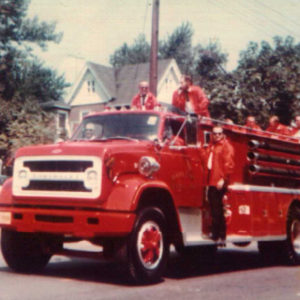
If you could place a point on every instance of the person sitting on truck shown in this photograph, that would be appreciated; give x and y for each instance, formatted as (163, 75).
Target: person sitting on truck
(251, 123)
(144, 99)
(218, 162)
(92, 131)
(296, 129)
(190, 98)
(276, 127)
(170, 138)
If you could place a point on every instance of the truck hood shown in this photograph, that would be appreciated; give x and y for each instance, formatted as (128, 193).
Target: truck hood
(91, 148)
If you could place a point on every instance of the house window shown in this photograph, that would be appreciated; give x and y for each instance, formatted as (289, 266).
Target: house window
(91, 86)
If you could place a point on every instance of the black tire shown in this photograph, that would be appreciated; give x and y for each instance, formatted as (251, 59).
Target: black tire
(148, 247)
(291, 248)
(287, 251)
(204, 254)
(23, 252)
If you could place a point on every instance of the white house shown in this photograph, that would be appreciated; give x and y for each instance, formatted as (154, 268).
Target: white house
(97, 85)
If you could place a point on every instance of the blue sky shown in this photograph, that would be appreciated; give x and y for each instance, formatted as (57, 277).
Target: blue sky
(93, 29)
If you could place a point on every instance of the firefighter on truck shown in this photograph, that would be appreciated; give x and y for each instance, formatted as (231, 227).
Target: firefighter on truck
(134, 190)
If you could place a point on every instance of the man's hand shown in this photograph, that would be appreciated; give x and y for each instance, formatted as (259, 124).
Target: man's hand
(220, 184)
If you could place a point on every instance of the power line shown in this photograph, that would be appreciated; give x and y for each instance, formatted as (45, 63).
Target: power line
(145, 16)
(243, 17)
(274, 23)
(287, 18)
(261, 19)
(143, 32)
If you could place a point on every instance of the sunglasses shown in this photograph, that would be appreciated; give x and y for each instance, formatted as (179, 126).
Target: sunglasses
(217, 133)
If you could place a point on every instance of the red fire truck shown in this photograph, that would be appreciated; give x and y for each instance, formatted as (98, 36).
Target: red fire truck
(135, 186)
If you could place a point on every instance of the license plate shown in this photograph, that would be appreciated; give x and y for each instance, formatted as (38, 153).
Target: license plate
(5, 218)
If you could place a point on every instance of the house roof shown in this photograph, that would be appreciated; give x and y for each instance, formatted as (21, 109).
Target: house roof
(129, 76)
(105, 75)
(121, 84)
(53, 104)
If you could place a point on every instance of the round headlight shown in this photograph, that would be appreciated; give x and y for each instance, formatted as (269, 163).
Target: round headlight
(148, 165)
(23, 177)
(91, 177)
(22, 174)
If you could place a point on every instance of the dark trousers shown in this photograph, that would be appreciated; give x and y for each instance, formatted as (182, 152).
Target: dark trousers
(215, 197)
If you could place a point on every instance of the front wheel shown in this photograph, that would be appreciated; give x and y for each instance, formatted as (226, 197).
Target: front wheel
(148, 247)
(23, 252)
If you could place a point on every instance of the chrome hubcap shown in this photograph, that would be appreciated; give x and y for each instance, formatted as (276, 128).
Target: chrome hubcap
(150, 245)
(295, 236)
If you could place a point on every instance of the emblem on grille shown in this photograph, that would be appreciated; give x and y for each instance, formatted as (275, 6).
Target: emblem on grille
(55, 151)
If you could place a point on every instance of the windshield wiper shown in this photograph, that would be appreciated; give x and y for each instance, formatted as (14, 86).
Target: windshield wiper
(109, 138)
(119, 137)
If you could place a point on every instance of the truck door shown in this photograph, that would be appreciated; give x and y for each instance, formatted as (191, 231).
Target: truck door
(181, 155)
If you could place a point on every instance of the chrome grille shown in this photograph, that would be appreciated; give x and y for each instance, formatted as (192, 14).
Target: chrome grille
(57, 176)
(66, 186)
(58, 166)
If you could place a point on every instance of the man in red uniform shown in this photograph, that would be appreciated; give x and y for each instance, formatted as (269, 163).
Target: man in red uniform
(190, 98)
(296, 130)
(218, 161)
(276, 127)
(251, 123)
(144, 98)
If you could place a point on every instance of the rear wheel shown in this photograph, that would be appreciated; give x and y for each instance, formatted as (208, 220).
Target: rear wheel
(287, 251)
(292, 244)
(148, 247)
(23, 252)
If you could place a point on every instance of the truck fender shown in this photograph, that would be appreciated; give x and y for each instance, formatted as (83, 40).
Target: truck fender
(128, 190)
(6, 196)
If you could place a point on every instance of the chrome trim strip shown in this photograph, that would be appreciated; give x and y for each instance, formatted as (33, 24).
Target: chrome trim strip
(235, 238)
(263, 189)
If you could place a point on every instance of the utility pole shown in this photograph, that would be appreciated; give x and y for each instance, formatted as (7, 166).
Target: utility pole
(154, 47)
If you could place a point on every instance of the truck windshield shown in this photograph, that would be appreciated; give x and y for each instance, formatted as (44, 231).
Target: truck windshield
(118, 126)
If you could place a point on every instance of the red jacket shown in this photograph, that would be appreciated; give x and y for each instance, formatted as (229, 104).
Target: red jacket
(222, 162)
(149, 102)
(198, 100)
(280, 129)
(295, 132)
(253, 126)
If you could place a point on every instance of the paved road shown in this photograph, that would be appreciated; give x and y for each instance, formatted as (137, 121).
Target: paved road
(236, 274)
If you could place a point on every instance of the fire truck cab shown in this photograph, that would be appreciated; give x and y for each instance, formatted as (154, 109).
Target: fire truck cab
(132, 181)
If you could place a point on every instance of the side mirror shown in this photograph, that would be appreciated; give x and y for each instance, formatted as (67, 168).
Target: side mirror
(158, 145)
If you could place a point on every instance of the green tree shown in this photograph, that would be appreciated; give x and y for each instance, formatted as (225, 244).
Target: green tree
(178, 45)
(18, 35)
(24, 123)
(24, 81)
(265, 83)
(139, 52)
(269, 79)
(210, 61)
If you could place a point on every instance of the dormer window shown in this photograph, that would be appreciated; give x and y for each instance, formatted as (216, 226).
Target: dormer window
(91, 86)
